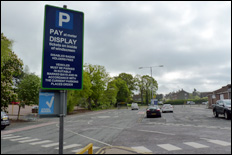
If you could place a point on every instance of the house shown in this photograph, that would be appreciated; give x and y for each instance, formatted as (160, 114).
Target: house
(222, 93)
(179, 95)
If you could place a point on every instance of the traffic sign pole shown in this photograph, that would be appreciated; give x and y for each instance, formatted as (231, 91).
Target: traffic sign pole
(62, 99)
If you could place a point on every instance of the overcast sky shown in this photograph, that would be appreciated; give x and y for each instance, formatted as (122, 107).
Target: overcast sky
(191, 39)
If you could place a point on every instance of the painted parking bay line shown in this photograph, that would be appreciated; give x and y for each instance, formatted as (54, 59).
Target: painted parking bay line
(70, 146)
(157, 132)
(218, 142)
(141, 149)
(41, 142)
(10, 137)
(195, 145)
(169, 147)
(17, 139)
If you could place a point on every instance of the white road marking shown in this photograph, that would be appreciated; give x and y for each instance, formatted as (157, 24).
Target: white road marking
(141, 149)
(6, 135)
(41, 142)
(52, 144)
(11, 137)
(218, 142)
(169, 147)
(88, 137)
(195, 145)
(30, 140)
(17, 139)
(157, 132)
(103, 116)
(70, 146)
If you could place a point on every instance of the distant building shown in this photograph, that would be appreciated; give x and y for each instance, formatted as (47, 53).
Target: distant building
(222, 93)
(179, 95)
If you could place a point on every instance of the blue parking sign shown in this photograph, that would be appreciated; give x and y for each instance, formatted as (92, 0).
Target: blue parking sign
(62, 61)
(46, 103)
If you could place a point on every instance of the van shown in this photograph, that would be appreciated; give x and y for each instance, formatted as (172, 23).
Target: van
(134, 106)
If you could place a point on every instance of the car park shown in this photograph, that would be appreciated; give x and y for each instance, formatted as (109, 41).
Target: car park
(134, 106)
(153, 111)
(222, 107)
(4, 120)
(167, 108)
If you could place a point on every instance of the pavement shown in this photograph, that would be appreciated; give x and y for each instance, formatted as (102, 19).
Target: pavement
(24, 112)
(27, 115)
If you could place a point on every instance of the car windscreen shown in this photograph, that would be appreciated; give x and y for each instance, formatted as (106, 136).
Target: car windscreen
(153, 107)
(227, 102)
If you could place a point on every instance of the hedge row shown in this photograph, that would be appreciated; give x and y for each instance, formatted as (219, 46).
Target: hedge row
(181, 102)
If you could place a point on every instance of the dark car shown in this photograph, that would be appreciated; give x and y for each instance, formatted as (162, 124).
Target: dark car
(153, 111)
(222, 107)
(4, 120)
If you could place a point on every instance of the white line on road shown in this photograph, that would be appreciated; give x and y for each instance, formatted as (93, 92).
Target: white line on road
(141, 149)
(169, 147)
(30, 140)
(41, 142)
(52, 144)
(10, 137)
(195, 145)
(17, 139)
(6, 135)
(157, 132)
(219, 142)
(70, 146)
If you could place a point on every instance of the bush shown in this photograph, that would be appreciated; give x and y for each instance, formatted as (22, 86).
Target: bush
(181, 102)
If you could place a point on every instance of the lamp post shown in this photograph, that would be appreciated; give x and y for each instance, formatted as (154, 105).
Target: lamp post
(151, 75)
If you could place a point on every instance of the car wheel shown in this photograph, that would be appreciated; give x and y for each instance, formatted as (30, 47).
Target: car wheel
(215, 113)
(226, 115)
(3, 127)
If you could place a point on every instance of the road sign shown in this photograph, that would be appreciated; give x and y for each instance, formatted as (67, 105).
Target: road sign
(62, 65)
(51, 103)
(46, 103)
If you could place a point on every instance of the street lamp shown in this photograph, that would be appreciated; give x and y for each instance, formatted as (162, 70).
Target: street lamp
(151, 75)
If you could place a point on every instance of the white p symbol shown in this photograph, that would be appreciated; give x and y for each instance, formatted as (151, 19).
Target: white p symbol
(61, 19)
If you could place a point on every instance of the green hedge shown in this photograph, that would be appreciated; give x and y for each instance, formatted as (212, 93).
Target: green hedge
(181, 102)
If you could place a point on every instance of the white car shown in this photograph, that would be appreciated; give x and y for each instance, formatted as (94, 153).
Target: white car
(167, 107)
(134, 106)
(190, 102)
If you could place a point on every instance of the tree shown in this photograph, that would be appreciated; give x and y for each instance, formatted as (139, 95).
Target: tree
(130, 81)
(145, 84)
(98, 78)
(11, 66)
(77, 96)
(28, 90)
(123, 91)
(110, 94)
(139, 85)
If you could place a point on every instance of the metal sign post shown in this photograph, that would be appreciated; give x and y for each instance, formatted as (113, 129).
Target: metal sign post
(62, 62)
(61, 134)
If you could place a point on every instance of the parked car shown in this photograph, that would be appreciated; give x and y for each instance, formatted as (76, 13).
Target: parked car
(222, 107)
(167, 108)
(190, 102)
(153, 111)
(134, 106)
(205, 103)
(4, 120)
